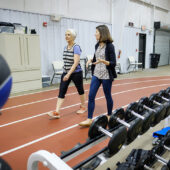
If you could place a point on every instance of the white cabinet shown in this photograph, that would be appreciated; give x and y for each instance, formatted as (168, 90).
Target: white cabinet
(22, 53)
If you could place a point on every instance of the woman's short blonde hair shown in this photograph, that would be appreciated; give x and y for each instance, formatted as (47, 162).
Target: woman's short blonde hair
(73, 32)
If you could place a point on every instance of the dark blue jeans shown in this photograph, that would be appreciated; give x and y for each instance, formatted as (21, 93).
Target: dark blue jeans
(94, 86)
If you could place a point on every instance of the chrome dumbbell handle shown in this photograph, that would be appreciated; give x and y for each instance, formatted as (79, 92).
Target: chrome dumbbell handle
(137, 115)
(147, 167)
(150, 109)
(105, 131)
(167, 100)
(157, 103)
(166, 147)
(164, 161)
(123, 122)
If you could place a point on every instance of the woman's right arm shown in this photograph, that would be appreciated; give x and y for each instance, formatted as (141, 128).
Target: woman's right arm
(88, 62)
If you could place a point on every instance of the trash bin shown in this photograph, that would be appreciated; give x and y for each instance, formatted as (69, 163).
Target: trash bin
(154, 60)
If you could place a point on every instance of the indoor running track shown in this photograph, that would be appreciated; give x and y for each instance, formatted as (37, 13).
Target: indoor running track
(25, 126)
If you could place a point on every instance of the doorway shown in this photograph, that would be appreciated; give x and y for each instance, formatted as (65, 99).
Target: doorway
(142, 49)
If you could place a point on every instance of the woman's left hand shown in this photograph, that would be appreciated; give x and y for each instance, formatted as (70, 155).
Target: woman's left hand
(66, 77)
(101, 60)
(104, 61)
(98, 61)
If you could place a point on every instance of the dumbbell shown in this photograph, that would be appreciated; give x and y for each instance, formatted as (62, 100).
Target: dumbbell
(155, 153)
(146, 116)
(134, 127)
(165, 167)
(164, 95)
(166, 99)
(156, 99)
(168, 90)
(165, 142)
(150, 157)
(145, 103)
(118, 138)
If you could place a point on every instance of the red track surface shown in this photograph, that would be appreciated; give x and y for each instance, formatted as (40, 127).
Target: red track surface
(23, 132)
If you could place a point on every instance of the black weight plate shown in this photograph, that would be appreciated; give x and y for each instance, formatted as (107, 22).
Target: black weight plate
(145, 101)
(131, 107)
(134, 130)
(167, 106)
(165, 168)
(162, 93)
(147, 121)
(117, 113)
(159, 150)
(102, 121)
(167, 141)
(153, 96)
(158, 114)
(168, 133)
(165, 93)
(168, 90)
(4, 165)
(163, 113)
(117, 140)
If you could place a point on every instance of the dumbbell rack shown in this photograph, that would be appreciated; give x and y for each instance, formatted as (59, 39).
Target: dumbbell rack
(66, 156)
(103, 153)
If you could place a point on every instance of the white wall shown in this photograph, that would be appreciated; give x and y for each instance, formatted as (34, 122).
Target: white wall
(161, 15)
(93, 10)
(36, 6)
(161, 3)
(131, 46)
(139, 14)
(119, 14)
(143, 14)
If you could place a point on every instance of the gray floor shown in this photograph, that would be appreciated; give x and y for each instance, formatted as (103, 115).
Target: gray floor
(160, 71)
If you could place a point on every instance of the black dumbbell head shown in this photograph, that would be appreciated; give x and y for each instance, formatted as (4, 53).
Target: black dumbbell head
(132, 106)
(145, 101)
(118, 113)
(99, 121)
(134, 130)
(147, 122)
(168, 90)
(158, 149)
(164, 93)
(117, 140)
(155, 97)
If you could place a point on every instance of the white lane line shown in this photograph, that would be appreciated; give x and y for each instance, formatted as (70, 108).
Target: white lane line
(44, 100)
(86, 84)
(28, 118)
(43, 138)
(38, 101)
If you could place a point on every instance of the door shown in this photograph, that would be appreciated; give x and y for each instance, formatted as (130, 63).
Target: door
(162, 47)
(142, 49)
(32, 52)
(11, 47)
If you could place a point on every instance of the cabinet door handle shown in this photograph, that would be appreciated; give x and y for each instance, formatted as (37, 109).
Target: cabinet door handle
(27, 52)
(20, 50)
